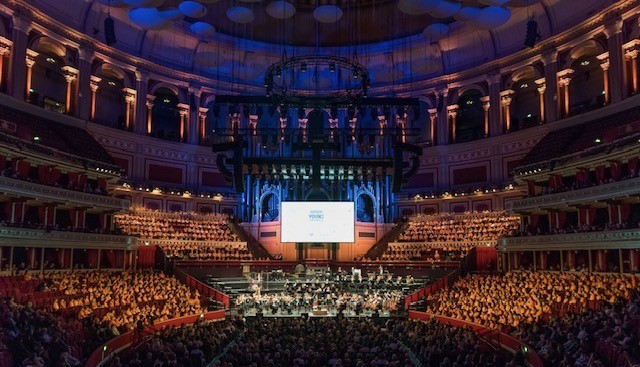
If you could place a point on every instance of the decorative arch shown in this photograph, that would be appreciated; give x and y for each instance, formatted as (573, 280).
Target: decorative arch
(468, 88)
(48, 46)
(182, 98)
(269, 204)
(588, 48)
(113, 71)
(529, 72)
(469, 123)
(317, 195)
(367, 207)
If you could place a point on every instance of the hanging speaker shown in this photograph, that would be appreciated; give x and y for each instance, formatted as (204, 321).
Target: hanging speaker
(109, 31)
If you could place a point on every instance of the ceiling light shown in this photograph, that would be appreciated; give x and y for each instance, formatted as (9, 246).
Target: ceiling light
(111, 83)
(524, 85)
(50, 60)
(585, 63)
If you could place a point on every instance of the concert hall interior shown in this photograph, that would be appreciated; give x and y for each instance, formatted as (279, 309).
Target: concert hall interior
(341, 183)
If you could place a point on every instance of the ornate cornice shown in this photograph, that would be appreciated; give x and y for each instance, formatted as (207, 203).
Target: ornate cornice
(576, 197)
(623, 239)
(10, 236)
(19, 188)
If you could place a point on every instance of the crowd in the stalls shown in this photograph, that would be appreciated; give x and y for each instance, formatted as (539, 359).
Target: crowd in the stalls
(36, 338)
(522, 297)
(192, 345)
(585, 339)
(192, 251)
(82, 309)
(185, 226)
(487, 226)
(398, 251)
(436, 344)
(331, 341)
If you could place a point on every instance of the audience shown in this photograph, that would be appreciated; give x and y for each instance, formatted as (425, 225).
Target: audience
(448, 237)
(315, 342)
(519, 298)
(197, 236)
(187, 345)
(435, 344)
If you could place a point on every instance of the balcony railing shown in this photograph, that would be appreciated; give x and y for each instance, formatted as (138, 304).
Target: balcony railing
(26, 237)
(622, 239)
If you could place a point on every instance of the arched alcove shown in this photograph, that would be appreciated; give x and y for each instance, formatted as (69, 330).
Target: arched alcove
(470, 117)
(165, 117)
(365, 208)
(270, 207)
(110, 103)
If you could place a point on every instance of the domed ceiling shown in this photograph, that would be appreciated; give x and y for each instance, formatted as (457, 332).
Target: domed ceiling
(320, 22)
(398, 41)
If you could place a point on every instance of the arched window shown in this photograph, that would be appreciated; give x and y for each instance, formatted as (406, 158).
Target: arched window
(365, 209)
(525, 107)
(166, 119)
(470, 118)
(587, 85)
(110, 103)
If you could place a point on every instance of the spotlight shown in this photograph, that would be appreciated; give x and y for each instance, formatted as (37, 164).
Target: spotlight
(109, 31)
(332, 67)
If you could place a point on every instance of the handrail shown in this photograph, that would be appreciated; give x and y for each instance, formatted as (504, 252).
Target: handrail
(506, 341)
(202, 288)
(168, 242)
(107, 350)
(423, 293)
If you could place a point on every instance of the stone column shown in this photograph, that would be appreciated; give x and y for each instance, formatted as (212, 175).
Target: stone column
(551, 99)
(70, 75)
(564, 79)
(129, 99)
(30, 60)
(617, 80)
(183, 110)
(17, 71)
(506, 97)
(94, 85)
(139, 119)
(84, 98)
(631, 50)
(442, 127)
(193, 119)
(5, 49)
(604, 64)
(495, 113)
(486, 106)
(433, 120)
(452, 114)
(202, 125)
(149, 113)
(541, 87)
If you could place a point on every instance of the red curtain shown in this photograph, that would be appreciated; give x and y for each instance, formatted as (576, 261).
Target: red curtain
(82, 180)
(3, 162)
(552, 219)
(54, 176)
(146, 256)
(534, 220)
(110, 256)
(485, 258)
(23, 169)
(625, 210)
(616, 171)
(562, 219)
(43, 173)
(72, 216)
(92, 259)
(632, 165)
(592, 216)
(531, 187)
(42, 213)
(73, 179)
(600, 174)
(613, 213)
(102, 184)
